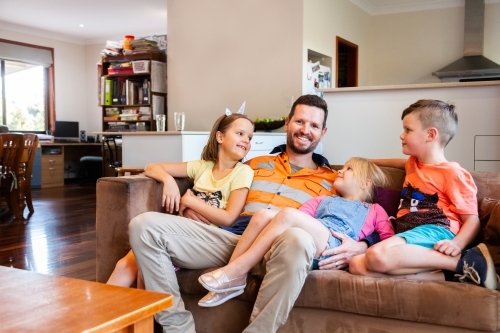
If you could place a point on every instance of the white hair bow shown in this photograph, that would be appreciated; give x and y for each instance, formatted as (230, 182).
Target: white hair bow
(240, 111)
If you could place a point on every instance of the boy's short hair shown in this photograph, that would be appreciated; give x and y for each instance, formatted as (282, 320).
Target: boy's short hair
(438, 114)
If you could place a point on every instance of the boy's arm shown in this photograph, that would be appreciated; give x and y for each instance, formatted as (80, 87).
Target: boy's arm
(398, 163)
(467, 232)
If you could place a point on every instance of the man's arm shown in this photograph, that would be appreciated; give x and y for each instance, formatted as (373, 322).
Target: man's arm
(341, 255)
(398, 163)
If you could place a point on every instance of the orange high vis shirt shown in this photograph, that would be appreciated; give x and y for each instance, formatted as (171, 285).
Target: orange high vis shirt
(275, 187)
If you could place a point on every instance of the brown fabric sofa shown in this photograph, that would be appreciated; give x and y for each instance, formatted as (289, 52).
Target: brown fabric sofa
(331, 301)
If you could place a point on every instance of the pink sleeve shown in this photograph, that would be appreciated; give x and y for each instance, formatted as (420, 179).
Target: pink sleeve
(310, 207)
(377, 220)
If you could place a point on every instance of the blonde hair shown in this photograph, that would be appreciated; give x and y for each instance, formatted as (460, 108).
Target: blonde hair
(365, 170)
(211, 150)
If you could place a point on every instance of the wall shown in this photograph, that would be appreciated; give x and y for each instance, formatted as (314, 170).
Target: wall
(70, 73)
(408, 47)
(93, 112)
(368, 123)
(324, 20)
(221, 53)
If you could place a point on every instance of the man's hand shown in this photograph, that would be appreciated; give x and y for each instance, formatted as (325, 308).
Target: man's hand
(342, 254)
(447, 247)
(191, 214)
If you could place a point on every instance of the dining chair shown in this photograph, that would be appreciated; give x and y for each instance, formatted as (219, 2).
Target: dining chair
(30, 147)
(12, 152)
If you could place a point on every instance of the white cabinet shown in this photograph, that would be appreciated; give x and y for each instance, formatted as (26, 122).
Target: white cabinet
(141, 148)
(487, 153)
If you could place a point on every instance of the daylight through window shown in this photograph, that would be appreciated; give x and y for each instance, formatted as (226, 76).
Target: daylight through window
(24, 87)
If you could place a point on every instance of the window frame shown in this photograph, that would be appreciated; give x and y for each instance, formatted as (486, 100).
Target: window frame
(49, 94)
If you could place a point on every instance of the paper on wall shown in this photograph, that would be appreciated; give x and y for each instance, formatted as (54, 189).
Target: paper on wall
(158, 104)
(158, 77)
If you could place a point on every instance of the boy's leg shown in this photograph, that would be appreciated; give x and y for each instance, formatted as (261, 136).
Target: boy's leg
(394, 256)
(158, 240)
(284, 268)
(259, 221)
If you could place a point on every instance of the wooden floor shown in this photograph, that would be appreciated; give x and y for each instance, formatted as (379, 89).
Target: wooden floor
(58, 239)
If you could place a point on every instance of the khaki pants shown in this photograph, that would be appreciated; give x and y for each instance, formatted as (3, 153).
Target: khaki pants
(160, 240)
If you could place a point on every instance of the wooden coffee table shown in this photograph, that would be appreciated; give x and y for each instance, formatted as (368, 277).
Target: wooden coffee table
(32, 302)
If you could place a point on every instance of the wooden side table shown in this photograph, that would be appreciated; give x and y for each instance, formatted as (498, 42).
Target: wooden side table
(33, 302)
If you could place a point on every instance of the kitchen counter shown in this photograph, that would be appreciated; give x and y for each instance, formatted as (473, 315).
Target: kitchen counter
(414, 86)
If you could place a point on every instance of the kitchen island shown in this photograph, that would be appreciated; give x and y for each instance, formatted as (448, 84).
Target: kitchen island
(366, 121)
(143, 147)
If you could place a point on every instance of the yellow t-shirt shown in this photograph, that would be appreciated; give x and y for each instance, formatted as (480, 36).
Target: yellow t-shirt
(216, 192)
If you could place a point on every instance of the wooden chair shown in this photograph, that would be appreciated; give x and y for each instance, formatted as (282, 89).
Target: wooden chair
(120, 170)
(13, 149)
(30, 147)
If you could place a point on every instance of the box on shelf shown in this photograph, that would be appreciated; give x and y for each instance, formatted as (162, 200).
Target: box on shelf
(123, 70)
(129, 117)
(140, 66)
(141, 126)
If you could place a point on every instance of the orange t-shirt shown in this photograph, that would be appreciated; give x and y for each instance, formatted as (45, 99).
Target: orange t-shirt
(453, 185)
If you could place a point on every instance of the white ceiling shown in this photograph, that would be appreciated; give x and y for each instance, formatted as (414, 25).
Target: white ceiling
(112, 19)
(103, 19)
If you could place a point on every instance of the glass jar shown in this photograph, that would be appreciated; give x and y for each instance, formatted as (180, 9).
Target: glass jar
(127, 42)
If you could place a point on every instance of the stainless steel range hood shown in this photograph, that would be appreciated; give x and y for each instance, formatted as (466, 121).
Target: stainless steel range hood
(473, 66)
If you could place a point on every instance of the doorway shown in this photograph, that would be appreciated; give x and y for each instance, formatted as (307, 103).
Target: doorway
(347, 64)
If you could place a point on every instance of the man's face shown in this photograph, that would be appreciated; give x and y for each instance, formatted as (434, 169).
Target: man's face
(305, 129)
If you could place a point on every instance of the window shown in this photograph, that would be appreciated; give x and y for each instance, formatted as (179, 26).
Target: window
(25, 87)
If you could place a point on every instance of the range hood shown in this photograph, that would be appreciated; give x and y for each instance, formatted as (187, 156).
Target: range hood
(473, 66)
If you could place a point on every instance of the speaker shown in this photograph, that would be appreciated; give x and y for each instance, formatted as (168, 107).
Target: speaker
(83, 136)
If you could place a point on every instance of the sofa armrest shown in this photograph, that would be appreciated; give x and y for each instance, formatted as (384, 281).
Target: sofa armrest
(120, 199)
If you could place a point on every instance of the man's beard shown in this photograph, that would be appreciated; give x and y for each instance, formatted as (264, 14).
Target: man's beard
(290, 144)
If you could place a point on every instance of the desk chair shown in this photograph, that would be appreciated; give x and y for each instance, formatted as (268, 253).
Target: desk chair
(90, 169)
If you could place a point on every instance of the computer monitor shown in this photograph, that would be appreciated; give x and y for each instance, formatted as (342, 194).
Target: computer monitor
(67, 131)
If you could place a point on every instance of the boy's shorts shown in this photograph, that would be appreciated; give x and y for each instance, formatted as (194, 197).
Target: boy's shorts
(426, 235)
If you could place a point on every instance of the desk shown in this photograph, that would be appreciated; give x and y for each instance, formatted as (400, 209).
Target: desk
(54, 156)
(33, 302)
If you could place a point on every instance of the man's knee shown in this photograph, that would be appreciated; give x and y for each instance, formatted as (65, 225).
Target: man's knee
(295, 244)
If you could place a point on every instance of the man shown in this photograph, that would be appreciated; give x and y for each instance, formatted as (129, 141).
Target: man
(288, 179)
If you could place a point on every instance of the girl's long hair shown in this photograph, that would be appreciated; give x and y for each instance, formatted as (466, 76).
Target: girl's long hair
(211, 150)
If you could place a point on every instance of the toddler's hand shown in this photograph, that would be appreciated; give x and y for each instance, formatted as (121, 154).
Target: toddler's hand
(447, 247)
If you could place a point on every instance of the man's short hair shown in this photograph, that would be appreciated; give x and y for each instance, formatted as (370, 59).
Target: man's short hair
(310, 100)
(438, 114)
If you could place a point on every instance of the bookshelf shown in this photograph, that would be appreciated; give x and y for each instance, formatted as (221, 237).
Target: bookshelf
(132, 91)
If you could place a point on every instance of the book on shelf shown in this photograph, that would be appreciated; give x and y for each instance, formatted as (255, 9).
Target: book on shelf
(108, 91)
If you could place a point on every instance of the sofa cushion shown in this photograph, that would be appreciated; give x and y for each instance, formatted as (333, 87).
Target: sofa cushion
(388, 198)
(441, 303)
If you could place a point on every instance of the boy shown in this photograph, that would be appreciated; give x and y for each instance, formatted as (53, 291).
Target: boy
(437, 216)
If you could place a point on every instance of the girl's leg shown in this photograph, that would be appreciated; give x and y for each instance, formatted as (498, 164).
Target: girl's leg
(125, 272)
(393, 257)
(259, 221)
(284, 220)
